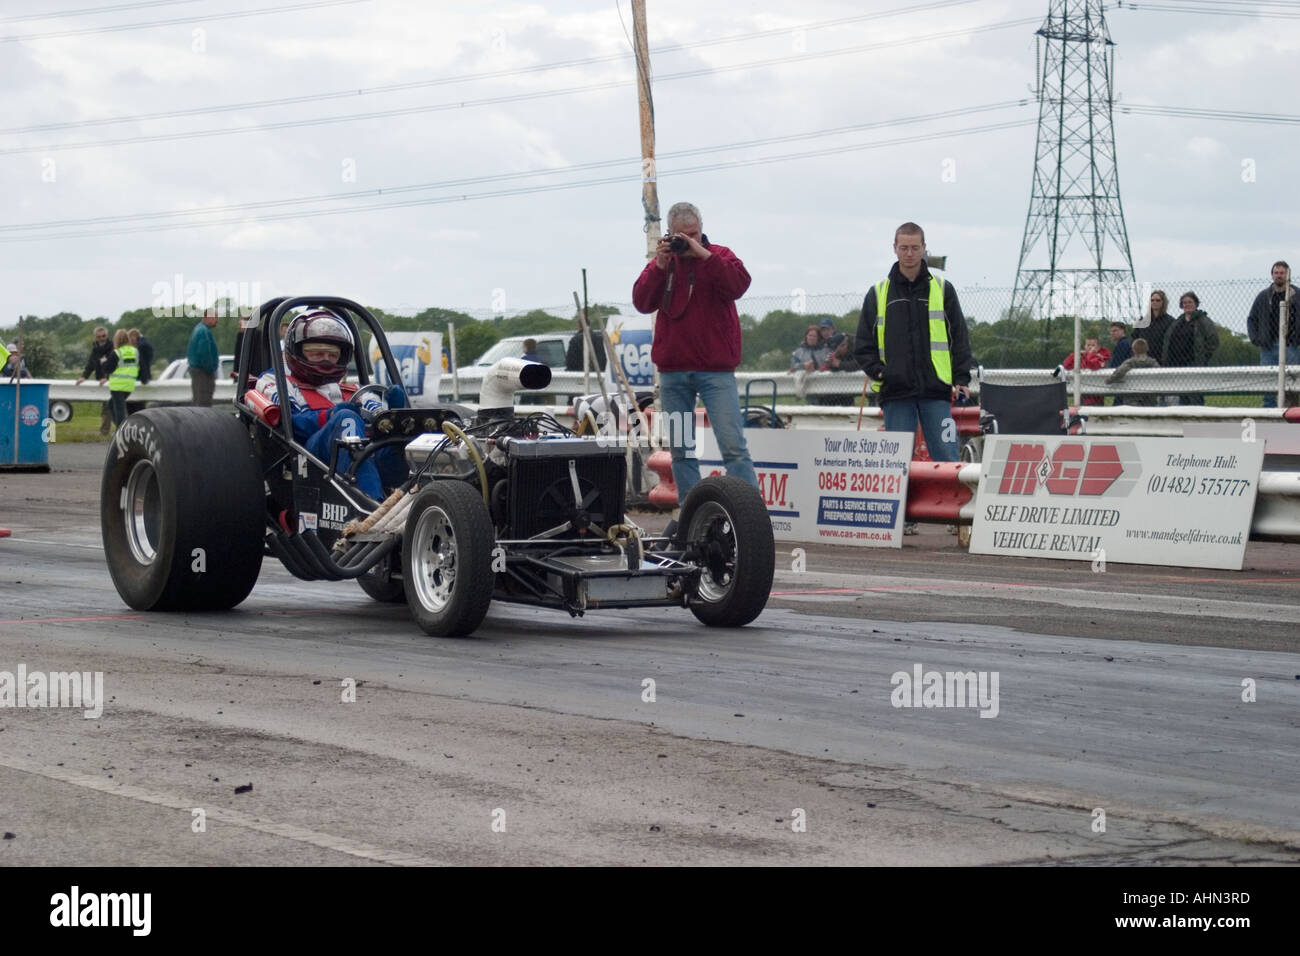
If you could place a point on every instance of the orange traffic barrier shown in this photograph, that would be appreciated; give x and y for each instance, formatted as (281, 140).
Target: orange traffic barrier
(935, 493)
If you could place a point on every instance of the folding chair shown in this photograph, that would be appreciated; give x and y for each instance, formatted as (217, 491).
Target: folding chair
(1023, 410)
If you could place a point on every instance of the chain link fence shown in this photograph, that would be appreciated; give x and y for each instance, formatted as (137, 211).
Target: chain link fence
(774, 326)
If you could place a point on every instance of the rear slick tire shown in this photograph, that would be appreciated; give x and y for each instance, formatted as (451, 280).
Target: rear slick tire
(182, 510)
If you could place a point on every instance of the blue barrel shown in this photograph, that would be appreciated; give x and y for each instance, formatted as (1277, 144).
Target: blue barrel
(24, 427)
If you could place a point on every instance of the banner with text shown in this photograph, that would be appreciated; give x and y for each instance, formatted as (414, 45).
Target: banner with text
(838, 487)
(1171, 501)
(419, 359)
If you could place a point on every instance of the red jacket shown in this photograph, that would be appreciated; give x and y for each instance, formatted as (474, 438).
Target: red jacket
(1091, 360)
(699, 330)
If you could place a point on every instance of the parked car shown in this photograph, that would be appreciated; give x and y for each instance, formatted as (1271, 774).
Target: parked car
(180, 368)
(561, 350)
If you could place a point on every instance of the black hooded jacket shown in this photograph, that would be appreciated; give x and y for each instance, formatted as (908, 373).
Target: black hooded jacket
(907, 371)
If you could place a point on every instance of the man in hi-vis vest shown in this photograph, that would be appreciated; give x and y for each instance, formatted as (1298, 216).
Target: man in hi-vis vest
(913, 343)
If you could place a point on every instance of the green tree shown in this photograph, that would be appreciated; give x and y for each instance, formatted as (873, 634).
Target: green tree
(41, 352)
(473, 339)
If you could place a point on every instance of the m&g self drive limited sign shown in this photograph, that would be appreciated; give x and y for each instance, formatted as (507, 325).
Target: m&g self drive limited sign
(1170, 501)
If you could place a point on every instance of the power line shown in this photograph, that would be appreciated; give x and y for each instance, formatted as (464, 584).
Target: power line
(505, 98)
(528, 190)
(1281, 11)
(1196, 112)
(521, 174)
(467, 77)
(144, 25)
(90, 11)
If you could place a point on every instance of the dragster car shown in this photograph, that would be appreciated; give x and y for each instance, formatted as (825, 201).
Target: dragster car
(493, 506)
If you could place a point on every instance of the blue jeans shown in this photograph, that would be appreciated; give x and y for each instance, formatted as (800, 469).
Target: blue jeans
(935, 416)
(1269, 357)
(677, 392)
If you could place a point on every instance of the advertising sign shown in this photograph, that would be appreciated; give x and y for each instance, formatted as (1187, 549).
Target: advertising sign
(419, 357)
(838, 487)
(632, 339)
(1170, 501)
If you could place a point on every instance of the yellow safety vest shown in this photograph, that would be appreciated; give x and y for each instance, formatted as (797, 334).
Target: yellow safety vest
(123, 377)
(4, 355)
(940, 353)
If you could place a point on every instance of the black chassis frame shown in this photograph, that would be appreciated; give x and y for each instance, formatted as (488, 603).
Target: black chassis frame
(298, 483)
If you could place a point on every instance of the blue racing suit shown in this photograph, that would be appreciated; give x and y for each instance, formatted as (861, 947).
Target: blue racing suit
(323, 414)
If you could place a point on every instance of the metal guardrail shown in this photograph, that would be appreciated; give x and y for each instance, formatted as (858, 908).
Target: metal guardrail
(66, 390)
(1277, 506)
(1228, 379)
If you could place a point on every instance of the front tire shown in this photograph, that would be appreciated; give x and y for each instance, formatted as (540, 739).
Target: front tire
(725, 523)
(182, 510)
(447, 559)
(60, 411)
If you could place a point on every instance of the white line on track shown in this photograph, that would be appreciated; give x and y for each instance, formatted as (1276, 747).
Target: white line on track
(288, 831)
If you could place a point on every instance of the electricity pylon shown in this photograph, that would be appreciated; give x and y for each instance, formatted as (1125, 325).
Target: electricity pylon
(1074, 258)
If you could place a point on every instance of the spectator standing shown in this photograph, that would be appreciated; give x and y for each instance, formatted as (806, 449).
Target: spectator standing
(1093, 358)
(826, 329)
(913, 343)
(841, 357)
(1261, 324)
(144, 350)
(1139, 359)
(1122, 351)
(694, 284)
(125, 374)
(1190, 342)
(811, 353)
(1123, 344)
(1161, 320)
(12, 363)
(204, 360)
(100, 366)
(530, 351)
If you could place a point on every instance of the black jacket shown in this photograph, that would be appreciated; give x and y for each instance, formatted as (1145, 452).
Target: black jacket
(144, 349)
(102, 361)
(907, 371)
(1261, 324)
(1203, 343)
(1155, 334)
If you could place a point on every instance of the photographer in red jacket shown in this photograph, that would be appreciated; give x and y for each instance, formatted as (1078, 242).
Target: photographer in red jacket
(694, 284)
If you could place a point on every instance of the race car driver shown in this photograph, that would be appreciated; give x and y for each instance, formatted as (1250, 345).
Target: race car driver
(317, 348)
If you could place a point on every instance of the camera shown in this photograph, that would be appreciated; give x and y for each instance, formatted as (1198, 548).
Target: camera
(678, 245)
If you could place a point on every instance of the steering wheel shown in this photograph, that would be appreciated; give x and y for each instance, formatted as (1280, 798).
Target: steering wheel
(380, 390)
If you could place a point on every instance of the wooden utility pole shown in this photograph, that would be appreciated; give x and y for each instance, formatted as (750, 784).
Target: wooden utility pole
(649, 178)
(649, 173)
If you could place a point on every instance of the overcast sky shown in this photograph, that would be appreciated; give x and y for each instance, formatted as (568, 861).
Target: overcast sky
(822, 223)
